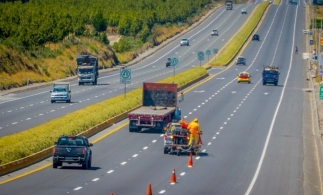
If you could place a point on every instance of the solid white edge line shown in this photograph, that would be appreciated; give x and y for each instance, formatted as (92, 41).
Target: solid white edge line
(274, 118)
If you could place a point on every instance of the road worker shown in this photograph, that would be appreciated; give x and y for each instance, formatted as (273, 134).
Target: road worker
(194, 130)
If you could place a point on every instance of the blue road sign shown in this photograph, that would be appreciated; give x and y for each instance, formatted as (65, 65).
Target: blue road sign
(125, 75)
(174, 62)
(208, 52)
(200, 54)
(215, 51)
(311, 42)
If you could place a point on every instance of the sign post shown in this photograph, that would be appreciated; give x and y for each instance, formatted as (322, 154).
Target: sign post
(174, 63)
(200, 56)
(125, 77)
(321, 92)
(208, 53)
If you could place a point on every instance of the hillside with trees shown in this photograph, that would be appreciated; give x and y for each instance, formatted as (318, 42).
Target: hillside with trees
(40, 38)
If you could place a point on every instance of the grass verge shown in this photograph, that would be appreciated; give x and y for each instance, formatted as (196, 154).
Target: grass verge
(241, 37)
(17, 146)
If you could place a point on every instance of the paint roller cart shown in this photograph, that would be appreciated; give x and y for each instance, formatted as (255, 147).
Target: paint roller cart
(176, 140)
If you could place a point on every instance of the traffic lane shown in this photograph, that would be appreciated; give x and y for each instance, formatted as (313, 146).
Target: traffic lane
(11, 122)
(284, 157)
(236, 148)
(45, 111)
(107, 155)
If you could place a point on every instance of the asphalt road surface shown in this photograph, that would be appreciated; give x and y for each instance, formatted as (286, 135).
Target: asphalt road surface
(252, 134)
(24, 110)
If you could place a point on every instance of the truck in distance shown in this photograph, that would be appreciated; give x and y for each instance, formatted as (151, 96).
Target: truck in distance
(228, 5)
(87, 69)
(72, 149)
(61, 92)
(270, 74)
(159, 102)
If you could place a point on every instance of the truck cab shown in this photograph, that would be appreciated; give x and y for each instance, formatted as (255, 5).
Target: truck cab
(87, 69)
(270, 75)
(61, 92)
(228, 5)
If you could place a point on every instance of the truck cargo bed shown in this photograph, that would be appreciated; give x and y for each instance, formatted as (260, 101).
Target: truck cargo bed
(146, 110)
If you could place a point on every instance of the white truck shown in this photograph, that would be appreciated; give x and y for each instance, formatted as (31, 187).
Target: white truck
(61, 92)
(228, 5)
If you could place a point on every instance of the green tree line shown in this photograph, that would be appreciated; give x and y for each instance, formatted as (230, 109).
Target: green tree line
(36, 22)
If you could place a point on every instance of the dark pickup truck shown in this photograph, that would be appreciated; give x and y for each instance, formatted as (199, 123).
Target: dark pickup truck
(72, 149)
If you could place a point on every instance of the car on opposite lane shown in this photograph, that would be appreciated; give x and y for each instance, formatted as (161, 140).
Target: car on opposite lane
(168, 62)
(214, 33)
(255, 37)
(241, 60)
(185, 41)
(243, 11)
(244, 77)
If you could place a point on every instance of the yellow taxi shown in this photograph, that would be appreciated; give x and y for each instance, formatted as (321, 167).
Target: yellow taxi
(244, 77)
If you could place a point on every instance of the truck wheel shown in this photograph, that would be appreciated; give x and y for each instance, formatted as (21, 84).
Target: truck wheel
(275, 83)
(178, 152)
(165, 150)
(90, 162)
(52, 101)
(85, 165)
(130, 130)
(55, 165)
(263, 83)
(68, 101)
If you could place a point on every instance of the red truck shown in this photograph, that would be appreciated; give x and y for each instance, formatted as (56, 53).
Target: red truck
(159, 102)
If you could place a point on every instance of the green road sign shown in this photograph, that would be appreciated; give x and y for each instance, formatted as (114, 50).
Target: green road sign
(321, 92)
(174, 61)
(200, 54)
(208, 52)
(125, 75)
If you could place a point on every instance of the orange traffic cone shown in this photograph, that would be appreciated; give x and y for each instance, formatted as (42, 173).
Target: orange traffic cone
(149, 192)
(173, 178)
(190, 161)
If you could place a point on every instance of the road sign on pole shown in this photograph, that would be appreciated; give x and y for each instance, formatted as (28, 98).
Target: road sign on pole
(125, 77)
(311, 42)
(215, 51)
(174, 62)
(321, 92)
(200, 56)
(208, 53)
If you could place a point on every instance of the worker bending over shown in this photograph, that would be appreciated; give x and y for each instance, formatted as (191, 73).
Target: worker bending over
(194, 130)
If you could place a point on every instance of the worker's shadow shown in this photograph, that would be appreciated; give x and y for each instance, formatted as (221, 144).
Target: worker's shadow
(150, 131)
(79, 167)
(202, 154)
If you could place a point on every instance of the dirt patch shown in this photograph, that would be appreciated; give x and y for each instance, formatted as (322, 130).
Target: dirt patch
(113, 38)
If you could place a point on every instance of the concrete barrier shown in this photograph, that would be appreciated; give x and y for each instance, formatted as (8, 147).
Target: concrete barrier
(34, 158)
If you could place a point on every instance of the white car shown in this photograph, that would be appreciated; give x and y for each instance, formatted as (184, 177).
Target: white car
(214, 33)
(185, 41)
(244, 11)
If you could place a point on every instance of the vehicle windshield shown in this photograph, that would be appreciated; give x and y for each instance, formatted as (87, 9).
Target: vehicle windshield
(240, 59)
(59, 90)
(85, 71)
(73, 141)
(184, 39)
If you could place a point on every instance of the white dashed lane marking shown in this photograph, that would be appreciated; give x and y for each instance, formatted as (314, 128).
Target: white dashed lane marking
(110, 171)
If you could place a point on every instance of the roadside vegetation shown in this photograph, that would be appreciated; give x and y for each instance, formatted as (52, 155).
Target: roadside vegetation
(30, 141)
(39, 39)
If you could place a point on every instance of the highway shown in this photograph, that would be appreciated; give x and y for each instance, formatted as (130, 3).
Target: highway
(24, 110)
(252, 134)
